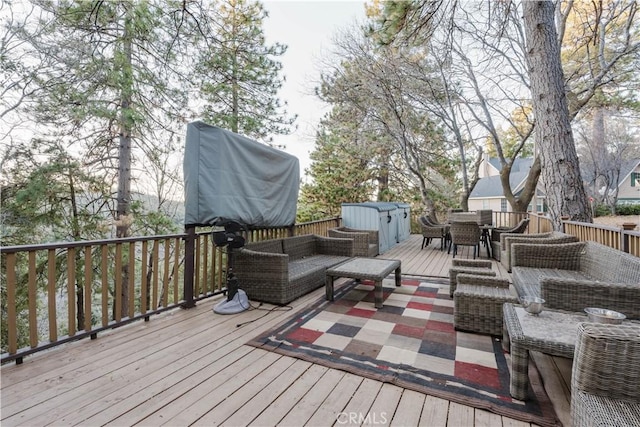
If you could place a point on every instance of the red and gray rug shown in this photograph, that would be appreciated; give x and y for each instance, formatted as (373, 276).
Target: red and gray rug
(410, 342)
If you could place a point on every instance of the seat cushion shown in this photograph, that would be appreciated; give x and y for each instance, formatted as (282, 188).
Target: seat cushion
(526, 280)
(591, 410)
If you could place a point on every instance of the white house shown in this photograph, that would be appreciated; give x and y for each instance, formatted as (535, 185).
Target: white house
(629, 183)
(488, 193)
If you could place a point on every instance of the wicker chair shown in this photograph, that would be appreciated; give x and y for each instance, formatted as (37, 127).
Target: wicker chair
(465, 233)
(496, 232)
(605, 379)
(432, 231)
(365, 242)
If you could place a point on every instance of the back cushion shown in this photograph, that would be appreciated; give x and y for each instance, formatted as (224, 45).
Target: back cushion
(610, 265)
(271, 246)
(299, 246)
(628, 270)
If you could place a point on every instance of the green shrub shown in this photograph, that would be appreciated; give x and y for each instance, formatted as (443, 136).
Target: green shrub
(601, 210)
(628, 209)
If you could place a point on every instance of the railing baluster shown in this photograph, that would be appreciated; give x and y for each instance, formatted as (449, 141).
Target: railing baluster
(154, 276)
(144, 294)
(205, 264)
(71, 291)
(33, 301)
(51, 290)
(12, 320)
(87, 293)
(165, 281)
(118, 291)
(196, 285)
(132, 279)
(104, 252)
(176, 270)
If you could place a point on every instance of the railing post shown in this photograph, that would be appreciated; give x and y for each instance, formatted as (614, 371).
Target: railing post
(624, 236)
(189, 267)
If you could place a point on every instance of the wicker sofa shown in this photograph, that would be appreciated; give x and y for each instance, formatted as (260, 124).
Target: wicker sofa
(508, 239)
(605, 376)
(365, 242)
(496, 246)
(573, 276)
(280, 270)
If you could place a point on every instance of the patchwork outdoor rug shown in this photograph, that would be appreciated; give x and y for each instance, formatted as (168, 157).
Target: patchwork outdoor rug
(409, 342)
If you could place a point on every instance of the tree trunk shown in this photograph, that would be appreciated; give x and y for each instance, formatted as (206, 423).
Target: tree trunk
(123, 222)
(520, 203)
(560, 172)
(77, 236)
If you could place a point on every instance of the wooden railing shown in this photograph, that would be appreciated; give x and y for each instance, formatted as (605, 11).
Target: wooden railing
(617, 238)
(56, 293)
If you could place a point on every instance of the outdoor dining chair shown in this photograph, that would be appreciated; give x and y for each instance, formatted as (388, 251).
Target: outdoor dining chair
(432, 231)
(465, 233)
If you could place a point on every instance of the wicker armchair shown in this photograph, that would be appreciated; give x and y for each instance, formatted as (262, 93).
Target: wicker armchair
(432, 231)
(365, 242)
(465, 233)
(496, 247)
(605, 379)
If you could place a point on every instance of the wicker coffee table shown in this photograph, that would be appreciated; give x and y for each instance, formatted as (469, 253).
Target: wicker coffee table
(364, 268)
(550, 332)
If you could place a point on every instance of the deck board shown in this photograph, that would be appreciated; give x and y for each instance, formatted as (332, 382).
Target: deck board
(187, 367)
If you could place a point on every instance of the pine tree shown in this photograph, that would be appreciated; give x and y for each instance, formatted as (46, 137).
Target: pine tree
(239, 75)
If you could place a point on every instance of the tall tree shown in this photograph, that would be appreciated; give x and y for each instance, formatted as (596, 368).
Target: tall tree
(52, 196)
(418, 20)
(109, 88)
(241, 74)
(378, 88)
(565, 194)
(339, 173)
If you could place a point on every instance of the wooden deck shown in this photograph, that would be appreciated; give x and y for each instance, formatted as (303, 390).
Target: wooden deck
(191, 367)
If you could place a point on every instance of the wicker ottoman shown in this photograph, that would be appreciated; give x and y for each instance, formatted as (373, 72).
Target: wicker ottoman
(478, 308)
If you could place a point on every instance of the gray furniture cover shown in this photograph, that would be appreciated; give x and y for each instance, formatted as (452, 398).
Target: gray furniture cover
(230, 177)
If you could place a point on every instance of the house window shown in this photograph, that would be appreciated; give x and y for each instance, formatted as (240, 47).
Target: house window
(635, 177)
(503, 205)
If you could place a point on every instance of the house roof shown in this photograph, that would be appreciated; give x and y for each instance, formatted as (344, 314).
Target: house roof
(626, 168)
(491, 187)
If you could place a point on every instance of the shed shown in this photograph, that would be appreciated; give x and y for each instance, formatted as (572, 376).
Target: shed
(404, 221)
(379, 216)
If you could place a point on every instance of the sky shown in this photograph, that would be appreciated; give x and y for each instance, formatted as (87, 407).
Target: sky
(307, 28)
